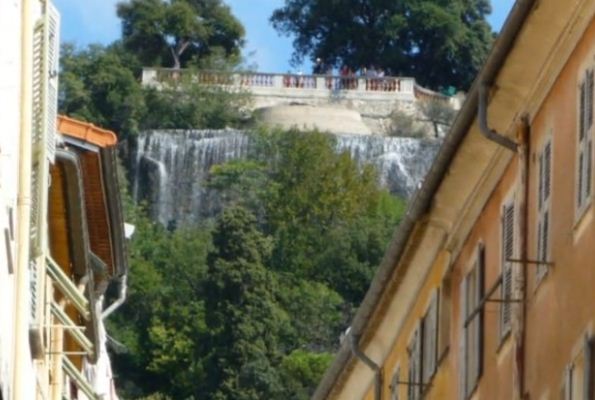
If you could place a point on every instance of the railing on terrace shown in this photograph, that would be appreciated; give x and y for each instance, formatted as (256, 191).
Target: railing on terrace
(156, 76)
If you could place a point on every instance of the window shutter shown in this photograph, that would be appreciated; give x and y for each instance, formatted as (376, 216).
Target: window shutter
(588, 167)
(588, 383)
(44, 113)
(547, 171)
(585, 148)
(480, 316)
(540, 189)
(52, 62)
(567, 386)
(589, 133)
(435, 323)
(589, 100)
(463, 342)
(544, 236)
(35, 228)
(414, 389)
(543, 220)
(419, 362)
(581, 170)
(429, 345)
(507, 253)
(582, 111)
(395, 384)
(540, 239)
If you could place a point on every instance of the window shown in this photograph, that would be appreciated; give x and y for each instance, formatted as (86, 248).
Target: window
(430, 339)
(544, 208)
(444, 305)
(578, 381)
(508, 250)
(414, 379)
(585, 146)
(472, 335)
(394, 386)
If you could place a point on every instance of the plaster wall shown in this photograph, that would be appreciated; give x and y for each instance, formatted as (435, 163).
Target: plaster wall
(10, 64)
(560, 310)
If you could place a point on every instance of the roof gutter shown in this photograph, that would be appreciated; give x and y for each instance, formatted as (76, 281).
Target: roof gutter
(421, 201)
(109, 167)
(354, 340)
(482, 116)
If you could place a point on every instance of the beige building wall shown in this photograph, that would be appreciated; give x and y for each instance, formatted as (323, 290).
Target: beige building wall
(549, 352)
(561, 306)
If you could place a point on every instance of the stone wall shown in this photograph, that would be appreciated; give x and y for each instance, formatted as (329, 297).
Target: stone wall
(375, 99)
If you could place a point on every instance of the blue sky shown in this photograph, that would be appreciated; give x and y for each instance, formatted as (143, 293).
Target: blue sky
(95, 21)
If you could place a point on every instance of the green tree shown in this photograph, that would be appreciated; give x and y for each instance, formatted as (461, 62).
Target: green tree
(162, 324)
(241, 312)
(101, 85)
(184, 104)
(301, 371)
(440, 43)
(158, 31)
(97, 84)
(322, 203)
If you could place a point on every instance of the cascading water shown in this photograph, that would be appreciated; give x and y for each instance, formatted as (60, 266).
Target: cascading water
(401, 162)
(172, 167)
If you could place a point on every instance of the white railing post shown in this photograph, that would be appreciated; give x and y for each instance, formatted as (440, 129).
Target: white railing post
(321, 83)
(407, 85)
(361, 84)
(149, 76)
(278, 81)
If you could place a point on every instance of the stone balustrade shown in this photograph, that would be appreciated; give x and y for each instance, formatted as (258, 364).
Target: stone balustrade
(374, 98)
(403, 88)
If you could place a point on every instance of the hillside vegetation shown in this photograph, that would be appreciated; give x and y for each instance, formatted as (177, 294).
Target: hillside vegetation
(251, 303)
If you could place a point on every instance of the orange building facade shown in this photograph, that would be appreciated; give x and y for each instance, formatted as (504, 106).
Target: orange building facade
(487, 289)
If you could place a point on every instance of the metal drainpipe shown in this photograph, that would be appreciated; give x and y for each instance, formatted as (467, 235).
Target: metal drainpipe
(482, 116)
(121, 298)
(21, 331)
(525, 161)
(371, 364)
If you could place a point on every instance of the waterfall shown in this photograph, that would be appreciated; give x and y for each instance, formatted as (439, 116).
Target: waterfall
(172, 167)
(401, 162)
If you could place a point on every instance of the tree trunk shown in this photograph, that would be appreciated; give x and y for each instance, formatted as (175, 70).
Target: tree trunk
(177, 52)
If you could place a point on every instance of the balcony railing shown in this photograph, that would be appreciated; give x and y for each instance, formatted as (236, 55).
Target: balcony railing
(77, 377)
(68, 288)
(77, 298)
(257, 80)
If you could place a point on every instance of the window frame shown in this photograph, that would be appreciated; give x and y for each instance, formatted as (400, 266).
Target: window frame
(473, 291)
(395, 379)
(430, 328)
(414, 368)
(584, 143)
(544, 214)
(506, 267)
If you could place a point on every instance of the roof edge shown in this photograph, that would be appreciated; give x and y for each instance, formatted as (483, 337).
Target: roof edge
(86, 131)
(421, 201)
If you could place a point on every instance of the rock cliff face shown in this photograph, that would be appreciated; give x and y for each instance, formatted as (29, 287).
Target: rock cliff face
(172, 167)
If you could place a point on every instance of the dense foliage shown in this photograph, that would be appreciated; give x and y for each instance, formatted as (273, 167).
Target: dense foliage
(440, 43)
(251, 306)
(248, 305)
(102, 85)
(176, 32)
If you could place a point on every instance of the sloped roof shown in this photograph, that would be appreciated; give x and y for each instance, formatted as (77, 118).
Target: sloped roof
(96, 150)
